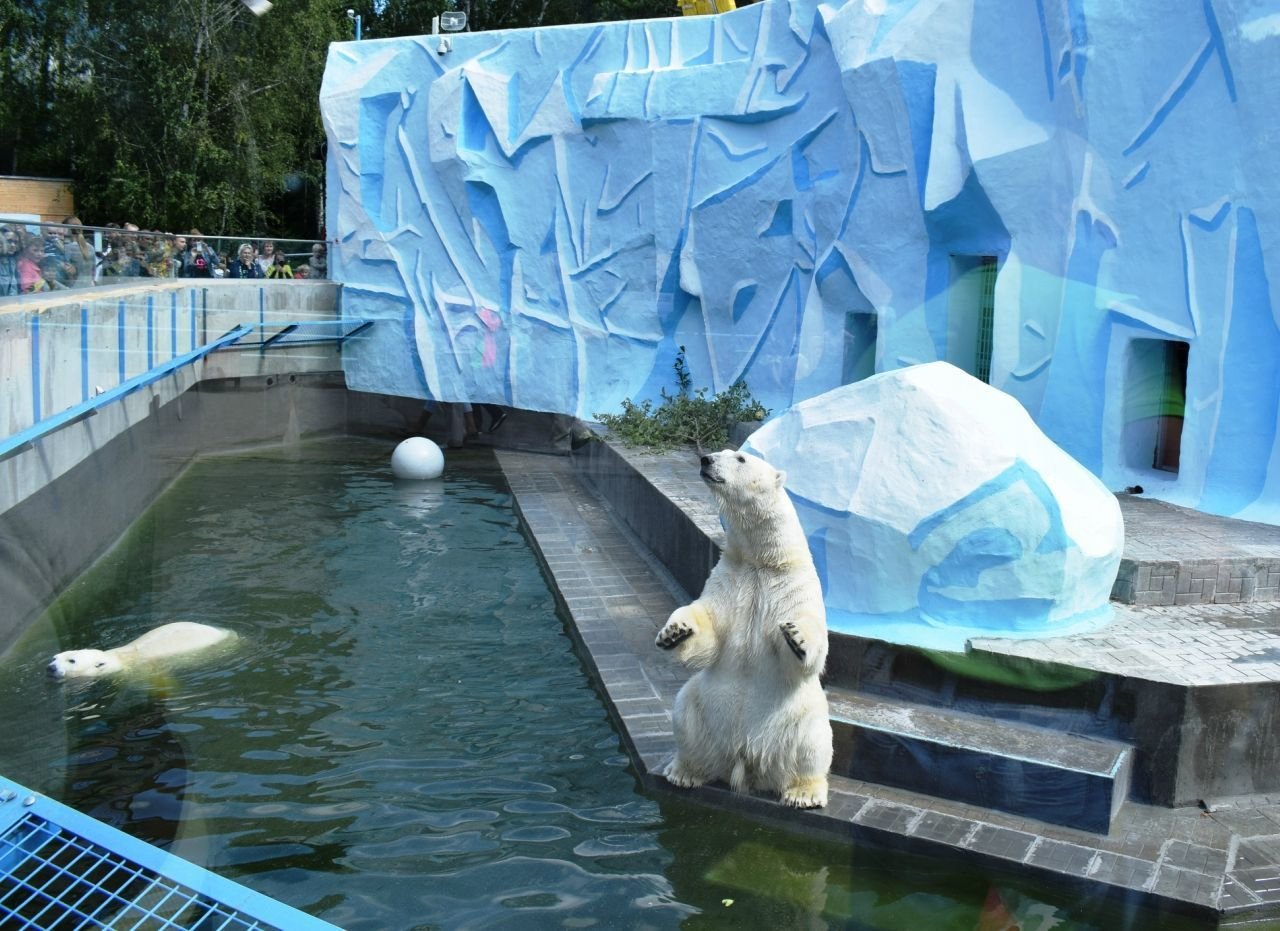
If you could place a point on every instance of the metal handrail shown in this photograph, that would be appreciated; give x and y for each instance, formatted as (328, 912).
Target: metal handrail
(25, 439)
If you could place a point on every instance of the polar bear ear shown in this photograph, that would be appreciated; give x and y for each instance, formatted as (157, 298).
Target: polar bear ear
(779, 479)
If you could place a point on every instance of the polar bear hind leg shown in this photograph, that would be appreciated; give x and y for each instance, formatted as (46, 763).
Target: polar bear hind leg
(695, 761)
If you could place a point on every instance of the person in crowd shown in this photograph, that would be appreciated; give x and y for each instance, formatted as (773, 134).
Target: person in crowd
(210, 250)
(113, 244)
(53, 239)
(266, 255)
(127, 263)
(177, 254)
(157, 254)
(10, 246)
(302, 271)
(280, 267)
(130, 236)
(79, 254)
(319, 261)
(221, 270)
(199, 261)
(244, 266)
(55, 247)
(50, 275)
(29, 260)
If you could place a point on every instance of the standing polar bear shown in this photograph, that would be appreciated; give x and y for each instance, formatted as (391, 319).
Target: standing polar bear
(754, 714)
(164, 643)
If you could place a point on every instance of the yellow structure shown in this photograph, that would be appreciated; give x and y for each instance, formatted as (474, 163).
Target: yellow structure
(703, 7)
(48, 198)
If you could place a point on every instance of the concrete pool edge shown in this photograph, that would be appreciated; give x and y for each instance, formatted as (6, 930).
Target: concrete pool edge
(1183, 859)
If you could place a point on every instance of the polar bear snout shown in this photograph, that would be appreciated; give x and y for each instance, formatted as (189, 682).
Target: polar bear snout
(75, 663)
(714, 469)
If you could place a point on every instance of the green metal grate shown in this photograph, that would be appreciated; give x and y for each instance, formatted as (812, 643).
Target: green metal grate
(986, 315)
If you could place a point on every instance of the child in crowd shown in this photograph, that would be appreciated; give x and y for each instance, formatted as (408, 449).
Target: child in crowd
(50, 272)
(280, 267)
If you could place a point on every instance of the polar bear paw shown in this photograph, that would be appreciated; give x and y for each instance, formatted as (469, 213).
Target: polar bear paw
(677, 775)
(806, 793)
(795, 639)
(675, 632)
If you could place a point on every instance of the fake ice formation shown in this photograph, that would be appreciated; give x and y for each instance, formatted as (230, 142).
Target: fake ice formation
(937, 511)
(1075, 201)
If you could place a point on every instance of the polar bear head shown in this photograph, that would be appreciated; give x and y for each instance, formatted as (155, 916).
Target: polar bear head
(740, 479)
(76, 664)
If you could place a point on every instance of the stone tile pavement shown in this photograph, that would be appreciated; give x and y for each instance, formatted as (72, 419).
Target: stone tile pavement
(1177, 556)
(615, 597)
(1203, 644)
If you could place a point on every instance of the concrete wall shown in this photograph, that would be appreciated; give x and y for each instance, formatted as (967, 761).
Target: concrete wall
(68, 498)
(60, 350)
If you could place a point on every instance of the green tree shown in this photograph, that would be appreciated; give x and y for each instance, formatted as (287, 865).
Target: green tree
(179, 113)
(169, 114)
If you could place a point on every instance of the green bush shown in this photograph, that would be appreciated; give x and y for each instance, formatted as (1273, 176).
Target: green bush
(687, 418)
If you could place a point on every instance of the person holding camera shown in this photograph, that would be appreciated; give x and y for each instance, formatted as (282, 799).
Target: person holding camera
(280, 267)
(199, 261)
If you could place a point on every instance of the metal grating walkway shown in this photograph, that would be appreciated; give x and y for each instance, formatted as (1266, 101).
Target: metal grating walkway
(61, 870)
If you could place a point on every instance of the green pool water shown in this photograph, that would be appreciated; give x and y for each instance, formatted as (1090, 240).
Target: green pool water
(404, 737)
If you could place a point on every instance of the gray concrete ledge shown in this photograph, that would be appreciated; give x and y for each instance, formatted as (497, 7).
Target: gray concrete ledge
(1176, 556)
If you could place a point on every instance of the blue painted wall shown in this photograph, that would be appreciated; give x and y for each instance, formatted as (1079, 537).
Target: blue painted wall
(543, 216)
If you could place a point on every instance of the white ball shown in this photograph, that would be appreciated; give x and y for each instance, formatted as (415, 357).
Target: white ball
(416, 459)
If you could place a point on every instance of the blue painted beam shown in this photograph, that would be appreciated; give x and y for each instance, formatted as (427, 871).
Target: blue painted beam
(277, 340)
(37, 431)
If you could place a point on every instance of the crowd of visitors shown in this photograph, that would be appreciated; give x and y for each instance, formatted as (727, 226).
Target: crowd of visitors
(63, 257)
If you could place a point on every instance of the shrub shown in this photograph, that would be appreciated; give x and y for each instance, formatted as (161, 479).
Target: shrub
(687, 418)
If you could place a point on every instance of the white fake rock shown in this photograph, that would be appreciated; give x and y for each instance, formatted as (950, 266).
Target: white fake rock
(417, 459)
(937, 511)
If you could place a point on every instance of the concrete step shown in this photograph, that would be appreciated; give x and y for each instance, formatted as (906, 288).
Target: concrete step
(1032, 772)
(1176, 556)
(1219, 579)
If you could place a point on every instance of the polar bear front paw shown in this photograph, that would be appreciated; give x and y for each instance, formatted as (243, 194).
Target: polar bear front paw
(675, 632)
(795, 640)
(807, 793)
(677, 775)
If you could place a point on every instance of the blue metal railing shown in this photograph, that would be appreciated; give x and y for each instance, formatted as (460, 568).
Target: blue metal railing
(62, 869)
(24, 439)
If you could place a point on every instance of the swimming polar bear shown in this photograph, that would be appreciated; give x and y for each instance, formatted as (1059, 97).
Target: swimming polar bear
(163, 643)
(754, 714)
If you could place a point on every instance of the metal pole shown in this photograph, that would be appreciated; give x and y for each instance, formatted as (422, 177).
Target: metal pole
(358, 17)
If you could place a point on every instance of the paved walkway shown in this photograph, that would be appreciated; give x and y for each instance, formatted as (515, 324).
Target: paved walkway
(1227, 860)
(1198, 638)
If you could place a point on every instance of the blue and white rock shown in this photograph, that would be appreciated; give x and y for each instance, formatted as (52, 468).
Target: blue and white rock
(937, 510)
(417, 459)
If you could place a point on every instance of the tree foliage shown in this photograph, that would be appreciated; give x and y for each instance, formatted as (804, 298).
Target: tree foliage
(167, 114)
(179, 113)
(687, 418)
